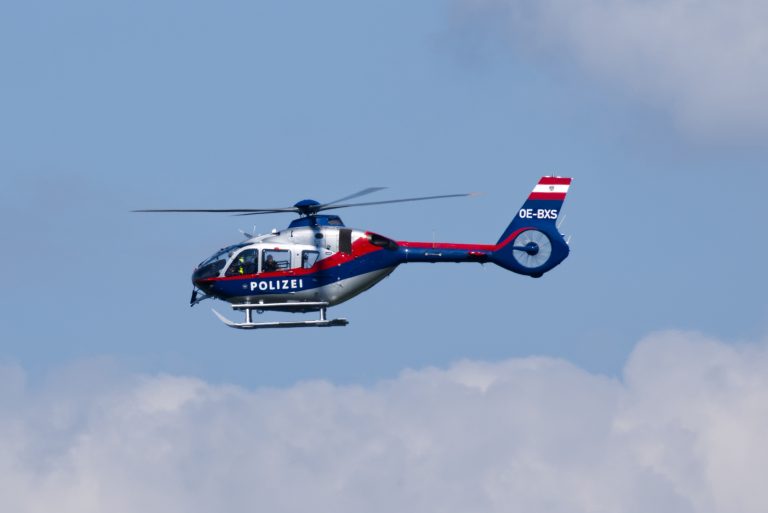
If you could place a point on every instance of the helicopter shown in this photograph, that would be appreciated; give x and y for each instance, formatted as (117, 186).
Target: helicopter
(317, 262)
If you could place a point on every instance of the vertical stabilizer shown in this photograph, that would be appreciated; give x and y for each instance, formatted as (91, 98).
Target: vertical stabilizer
(532, 244)
(542, 208)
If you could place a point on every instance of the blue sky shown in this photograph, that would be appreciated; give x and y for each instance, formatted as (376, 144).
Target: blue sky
(105, 108)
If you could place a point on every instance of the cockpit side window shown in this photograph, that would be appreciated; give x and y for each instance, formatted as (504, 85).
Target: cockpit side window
(211, 267)
(222, 254)
(308, 259)
(275, 260)
(246, 262)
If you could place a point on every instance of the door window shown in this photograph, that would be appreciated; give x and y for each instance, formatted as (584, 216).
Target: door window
(275, 260)
(308, 259)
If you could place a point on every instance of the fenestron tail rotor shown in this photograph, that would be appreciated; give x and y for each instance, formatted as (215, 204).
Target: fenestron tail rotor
(532, 248)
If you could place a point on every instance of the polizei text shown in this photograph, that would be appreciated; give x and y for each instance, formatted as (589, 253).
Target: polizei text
(265, 285)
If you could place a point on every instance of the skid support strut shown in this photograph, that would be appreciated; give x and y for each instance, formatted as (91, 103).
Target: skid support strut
(322, 322)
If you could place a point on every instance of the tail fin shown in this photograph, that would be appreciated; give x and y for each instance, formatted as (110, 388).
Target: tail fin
(542, 208)
(531, 244)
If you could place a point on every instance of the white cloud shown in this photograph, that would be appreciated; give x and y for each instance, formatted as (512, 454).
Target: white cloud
(683, 431)
(702, 60)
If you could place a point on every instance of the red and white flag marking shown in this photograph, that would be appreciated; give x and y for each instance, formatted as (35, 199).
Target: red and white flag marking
(551, 188)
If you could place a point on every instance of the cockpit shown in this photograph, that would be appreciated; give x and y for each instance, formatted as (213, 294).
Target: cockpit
(211, 267)
(245, 260)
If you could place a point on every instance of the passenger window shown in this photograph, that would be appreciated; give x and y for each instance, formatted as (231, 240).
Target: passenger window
(275, 260)
(308, 259)
(244, 263)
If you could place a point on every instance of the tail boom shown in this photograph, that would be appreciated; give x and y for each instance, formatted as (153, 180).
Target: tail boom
(531, 244)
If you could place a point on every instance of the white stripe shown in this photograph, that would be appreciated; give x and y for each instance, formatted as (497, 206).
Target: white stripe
(551, 188)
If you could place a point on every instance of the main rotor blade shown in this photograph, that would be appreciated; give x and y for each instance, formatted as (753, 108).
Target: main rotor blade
(369, 190)
(224, 210)
(257, 212)
(398, 201)
(326, 206)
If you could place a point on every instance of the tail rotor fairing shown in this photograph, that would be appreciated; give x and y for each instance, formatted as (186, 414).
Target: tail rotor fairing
(532, 249)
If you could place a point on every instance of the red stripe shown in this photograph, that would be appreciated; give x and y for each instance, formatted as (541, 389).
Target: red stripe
(547, 196)
(554, 180)
(470, 247)
(445, 245)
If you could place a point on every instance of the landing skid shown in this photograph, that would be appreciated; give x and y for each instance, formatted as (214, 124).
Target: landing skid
(322, 322)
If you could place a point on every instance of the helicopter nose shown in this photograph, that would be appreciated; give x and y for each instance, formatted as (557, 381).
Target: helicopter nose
(200, 280)
(206, 287)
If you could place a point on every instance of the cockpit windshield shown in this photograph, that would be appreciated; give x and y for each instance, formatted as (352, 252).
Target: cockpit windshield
(223, 253)
(213, 265)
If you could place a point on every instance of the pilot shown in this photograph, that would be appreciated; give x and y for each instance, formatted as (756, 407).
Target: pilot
(237, 267)
(269, 264)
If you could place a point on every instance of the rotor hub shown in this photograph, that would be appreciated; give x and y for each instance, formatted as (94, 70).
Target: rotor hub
(307, 207)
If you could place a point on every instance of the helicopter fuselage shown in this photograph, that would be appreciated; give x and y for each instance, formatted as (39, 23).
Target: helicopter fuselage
(330, 264)
(327, 264)
(318, 262)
